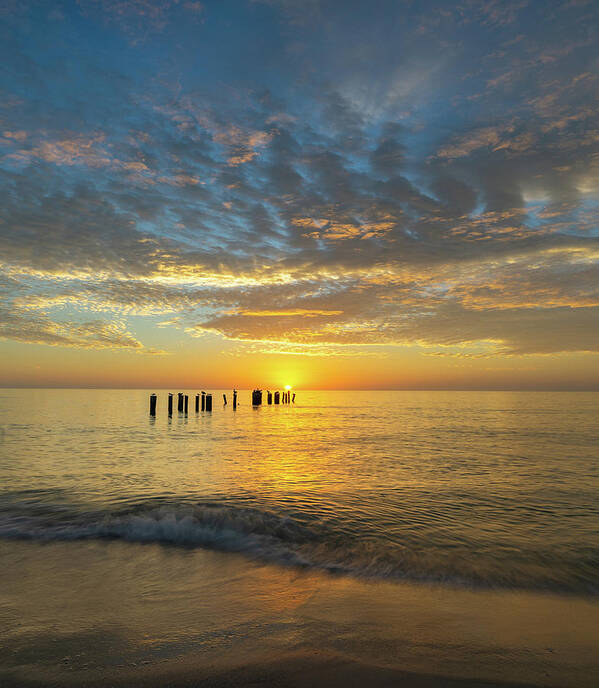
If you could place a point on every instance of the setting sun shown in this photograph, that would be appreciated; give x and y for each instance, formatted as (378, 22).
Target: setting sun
(287, 387)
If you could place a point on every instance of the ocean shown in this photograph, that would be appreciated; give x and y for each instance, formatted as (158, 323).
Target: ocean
(451, 533)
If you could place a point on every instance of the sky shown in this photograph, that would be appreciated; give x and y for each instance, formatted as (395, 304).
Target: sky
(319, 193)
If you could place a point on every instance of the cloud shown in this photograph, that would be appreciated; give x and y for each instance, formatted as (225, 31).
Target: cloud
(82, 150)
(304, 312)
(491, 137)
(23, 325)
(360, 185)
(243, 146)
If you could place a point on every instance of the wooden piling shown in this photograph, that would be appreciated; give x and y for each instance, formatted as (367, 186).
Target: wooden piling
(234, 399)
(197, 403)
(277, 397)
(180, 402)
(203, 401)
(224, 399)
(208, 402)
(152, 404)
(186, 403)
(257, 397)
(293, 398)
(170, 405)
(269, 397)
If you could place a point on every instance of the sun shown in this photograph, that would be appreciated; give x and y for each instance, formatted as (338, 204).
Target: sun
(287, 387)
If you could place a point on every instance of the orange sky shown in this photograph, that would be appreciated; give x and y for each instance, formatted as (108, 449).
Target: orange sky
(193, 367)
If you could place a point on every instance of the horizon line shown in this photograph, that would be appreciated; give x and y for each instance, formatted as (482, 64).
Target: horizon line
(313, 389)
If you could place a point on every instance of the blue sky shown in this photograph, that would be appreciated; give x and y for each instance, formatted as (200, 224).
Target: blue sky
(322, 179)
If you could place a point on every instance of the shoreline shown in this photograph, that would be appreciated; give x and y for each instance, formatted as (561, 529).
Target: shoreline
(125, 614)
(291, 670)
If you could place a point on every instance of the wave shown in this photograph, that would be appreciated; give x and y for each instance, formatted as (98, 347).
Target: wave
(283, 539)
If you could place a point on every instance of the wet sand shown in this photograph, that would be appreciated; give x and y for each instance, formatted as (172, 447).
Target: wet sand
(298, 670)
(120, 614)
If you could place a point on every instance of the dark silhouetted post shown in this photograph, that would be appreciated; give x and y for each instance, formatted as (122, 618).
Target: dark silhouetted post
(186, 403)
(224, 399)
(293, 398)
(269, 397)
(257, 397)
(170, 404)
(180, 402)
(197, 402)
(277, 399)
(203, 401)
(208, 402)
(234, 399)
(152, 404)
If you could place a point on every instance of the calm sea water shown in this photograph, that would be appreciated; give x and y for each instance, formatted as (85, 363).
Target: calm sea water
(484, 490)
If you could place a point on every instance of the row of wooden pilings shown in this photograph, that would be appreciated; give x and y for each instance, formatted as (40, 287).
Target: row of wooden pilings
(278, 397)
(203, 401)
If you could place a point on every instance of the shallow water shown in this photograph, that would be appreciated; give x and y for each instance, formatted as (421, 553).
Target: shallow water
(475, 489)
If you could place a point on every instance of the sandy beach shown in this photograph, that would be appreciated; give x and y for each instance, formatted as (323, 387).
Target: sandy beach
(216, 619)
(298, 670)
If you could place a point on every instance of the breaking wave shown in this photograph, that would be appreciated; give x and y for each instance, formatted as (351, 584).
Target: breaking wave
(298, 541)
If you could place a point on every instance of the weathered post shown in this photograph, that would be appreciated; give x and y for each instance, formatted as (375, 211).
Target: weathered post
(269, 397)
(152, 404)
(170, 404)
(234, 399)
(186, 403)
(180, 402)
(197, 403)
(203, 401)
(293, 398)
(257, 397)
(277, 399)
(208, 402)
(224, 399)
